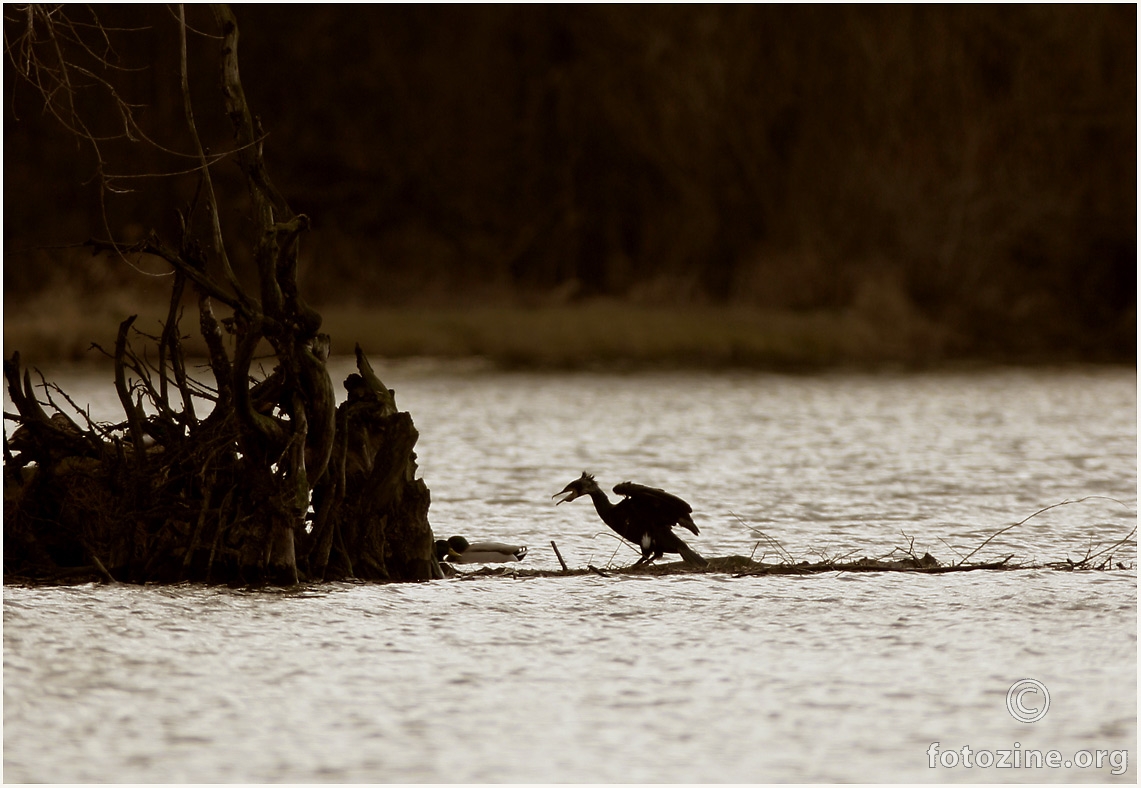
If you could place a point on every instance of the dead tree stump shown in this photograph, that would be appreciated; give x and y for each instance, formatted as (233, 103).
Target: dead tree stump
(277, 484)
(84, 503)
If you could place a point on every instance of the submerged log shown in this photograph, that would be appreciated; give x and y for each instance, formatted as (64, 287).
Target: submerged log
(743, 566)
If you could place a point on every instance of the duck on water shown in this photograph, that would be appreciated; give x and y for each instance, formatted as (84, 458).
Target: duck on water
(645, 516)
(459, 551)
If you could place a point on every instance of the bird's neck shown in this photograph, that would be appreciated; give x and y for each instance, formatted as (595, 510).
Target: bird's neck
(601, 502)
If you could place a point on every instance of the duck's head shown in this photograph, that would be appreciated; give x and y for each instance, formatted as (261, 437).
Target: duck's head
(452, 547)
(583, 485)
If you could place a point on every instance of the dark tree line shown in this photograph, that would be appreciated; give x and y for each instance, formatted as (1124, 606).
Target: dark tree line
(980, 160)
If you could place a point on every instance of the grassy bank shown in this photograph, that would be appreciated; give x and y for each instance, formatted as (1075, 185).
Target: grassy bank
(603, 332)
(612, 333)
(878, 330)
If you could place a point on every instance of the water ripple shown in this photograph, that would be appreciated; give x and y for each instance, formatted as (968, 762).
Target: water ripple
(834, 677)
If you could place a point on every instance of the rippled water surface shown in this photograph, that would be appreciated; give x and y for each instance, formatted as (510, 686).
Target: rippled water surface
(687, 678)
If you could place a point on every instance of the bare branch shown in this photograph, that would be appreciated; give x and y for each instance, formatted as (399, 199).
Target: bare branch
(211, 200)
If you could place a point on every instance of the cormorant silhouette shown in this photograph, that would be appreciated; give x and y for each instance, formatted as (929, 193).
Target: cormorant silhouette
(645, 516)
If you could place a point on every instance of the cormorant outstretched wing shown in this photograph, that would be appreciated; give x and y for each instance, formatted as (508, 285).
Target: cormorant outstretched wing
(670, 506)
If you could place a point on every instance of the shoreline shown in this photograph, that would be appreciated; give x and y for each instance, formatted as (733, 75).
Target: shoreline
(587, 335)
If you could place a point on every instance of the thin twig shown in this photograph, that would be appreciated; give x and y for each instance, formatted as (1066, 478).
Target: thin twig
(211, 200)
(559, 556)
(951, 547)
(1113, 546)
(107, 576)
(1040, 511)
(787, 556)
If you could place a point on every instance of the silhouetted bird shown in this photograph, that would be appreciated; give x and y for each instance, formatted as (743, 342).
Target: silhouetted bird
(645, 516)
(459, 551)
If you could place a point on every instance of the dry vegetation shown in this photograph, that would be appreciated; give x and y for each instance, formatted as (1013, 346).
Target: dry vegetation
(880, 328)
(1119, 555)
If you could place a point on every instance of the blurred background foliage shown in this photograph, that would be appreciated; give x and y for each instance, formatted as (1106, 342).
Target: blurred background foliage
(967, 168)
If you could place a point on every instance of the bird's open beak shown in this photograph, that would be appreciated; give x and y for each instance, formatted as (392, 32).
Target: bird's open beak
(573, 494)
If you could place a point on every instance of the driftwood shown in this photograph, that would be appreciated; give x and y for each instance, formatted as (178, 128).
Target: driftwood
(743, 566)
(900, 559)
(559, 555)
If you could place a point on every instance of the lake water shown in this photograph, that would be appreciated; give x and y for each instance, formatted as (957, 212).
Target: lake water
(707, 678)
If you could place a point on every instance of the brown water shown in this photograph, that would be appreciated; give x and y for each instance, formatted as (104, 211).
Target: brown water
(711, 678)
